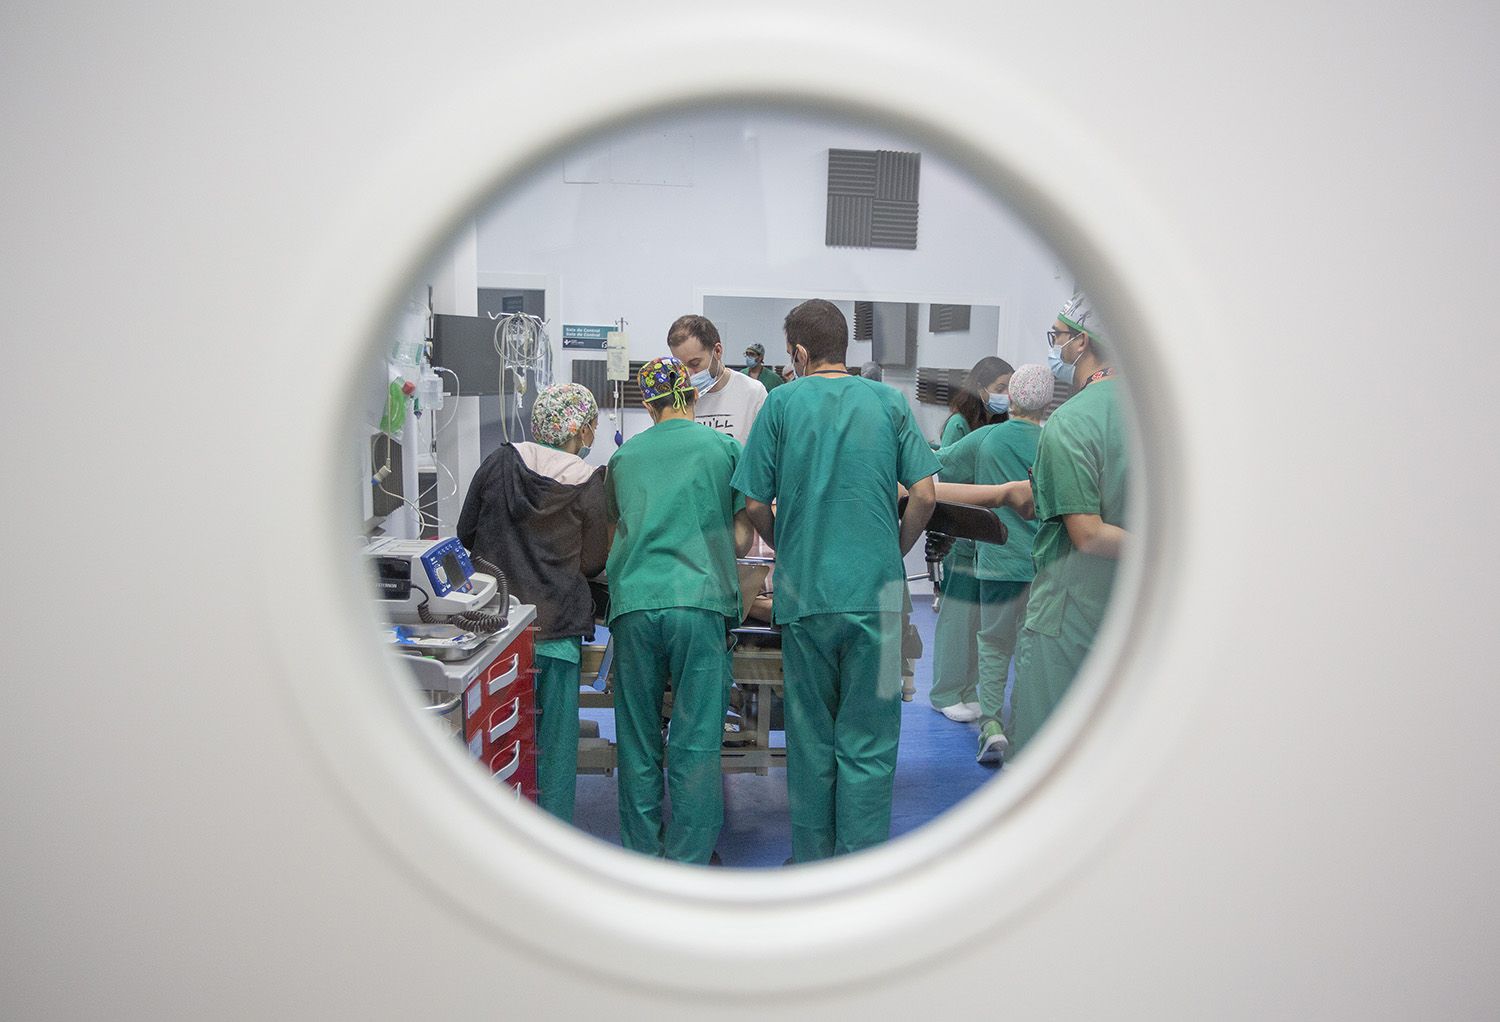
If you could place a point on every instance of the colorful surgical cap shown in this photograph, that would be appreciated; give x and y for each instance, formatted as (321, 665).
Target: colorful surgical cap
(1031, 388)
(1080, 314)
(560, 413)
(663, 376)
(758, 350)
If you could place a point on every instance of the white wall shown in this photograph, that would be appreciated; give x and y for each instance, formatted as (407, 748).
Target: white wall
(743, 213)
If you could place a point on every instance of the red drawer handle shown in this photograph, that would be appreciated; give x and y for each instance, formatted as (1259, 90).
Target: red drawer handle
(503, 774)
(509, 722)
(507, 676)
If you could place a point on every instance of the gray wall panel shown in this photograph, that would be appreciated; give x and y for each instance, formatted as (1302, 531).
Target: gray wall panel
(893, 224)
(943, 319)
(872, 198)
(852, 171)
(849, 218)
(592, 373)
(896, 175)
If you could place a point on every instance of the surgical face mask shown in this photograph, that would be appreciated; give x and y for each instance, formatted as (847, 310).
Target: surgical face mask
(751, 361)
(703, 380)
(1061, 371)
(999, 404)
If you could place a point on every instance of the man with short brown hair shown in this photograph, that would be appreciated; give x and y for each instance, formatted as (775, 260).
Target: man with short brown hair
(727, 401)
(830, 450)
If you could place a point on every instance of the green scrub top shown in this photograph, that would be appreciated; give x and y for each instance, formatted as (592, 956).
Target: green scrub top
(829, 450)
(1001, 453)
(958, 455)
(1080, 469)
(667, 493)
(954, 430)
(768, 378)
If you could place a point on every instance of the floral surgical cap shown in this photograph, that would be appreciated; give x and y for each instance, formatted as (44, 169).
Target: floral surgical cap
(1031, 388)
(663, 376)
(561, 411)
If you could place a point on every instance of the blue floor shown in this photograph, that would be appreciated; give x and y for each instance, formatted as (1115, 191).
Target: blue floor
(935, 769)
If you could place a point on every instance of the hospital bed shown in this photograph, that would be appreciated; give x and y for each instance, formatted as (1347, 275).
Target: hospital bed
(757, 689)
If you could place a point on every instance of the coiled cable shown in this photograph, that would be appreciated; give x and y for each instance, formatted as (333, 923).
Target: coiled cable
(502, 589)
(479, 621)
(427, 616)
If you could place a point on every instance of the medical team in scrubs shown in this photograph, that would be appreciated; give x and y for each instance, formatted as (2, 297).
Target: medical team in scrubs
(1077, 495)
(819, 473)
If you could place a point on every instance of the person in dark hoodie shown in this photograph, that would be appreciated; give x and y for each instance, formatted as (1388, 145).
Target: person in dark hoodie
(537, 511)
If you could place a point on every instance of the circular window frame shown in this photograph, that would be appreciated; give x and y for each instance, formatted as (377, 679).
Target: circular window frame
(536, 886)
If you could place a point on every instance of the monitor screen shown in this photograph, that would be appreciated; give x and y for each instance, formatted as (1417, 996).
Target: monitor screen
(454, 570)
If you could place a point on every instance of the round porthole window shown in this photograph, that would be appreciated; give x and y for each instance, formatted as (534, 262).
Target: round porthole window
(618, 497)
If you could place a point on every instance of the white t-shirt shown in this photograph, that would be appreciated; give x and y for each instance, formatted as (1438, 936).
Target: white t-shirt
(733, 407)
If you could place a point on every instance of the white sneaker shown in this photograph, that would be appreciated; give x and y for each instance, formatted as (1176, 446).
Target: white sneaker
(960, 713)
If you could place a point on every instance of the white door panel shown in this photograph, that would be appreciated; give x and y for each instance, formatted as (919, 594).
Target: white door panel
(1285, 806)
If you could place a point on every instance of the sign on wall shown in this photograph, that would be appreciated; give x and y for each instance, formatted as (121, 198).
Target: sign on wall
(577, 335)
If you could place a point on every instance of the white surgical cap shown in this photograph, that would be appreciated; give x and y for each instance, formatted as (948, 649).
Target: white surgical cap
(1080, 314)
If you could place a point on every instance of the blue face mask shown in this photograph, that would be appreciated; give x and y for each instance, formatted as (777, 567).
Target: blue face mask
(1061, 371)
(751, 362)
(702, 381)
(583, 452)
(999, 404)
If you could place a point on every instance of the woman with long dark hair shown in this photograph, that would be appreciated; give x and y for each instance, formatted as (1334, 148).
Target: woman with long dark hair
(980, 401)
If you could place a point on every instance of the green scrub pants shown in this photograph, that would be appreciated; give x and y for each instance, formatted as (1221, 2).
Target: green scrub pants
(1002, 608)
(556, 735)
(843, 723)
(1045, 667)
(687, 645)
(955, 656)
